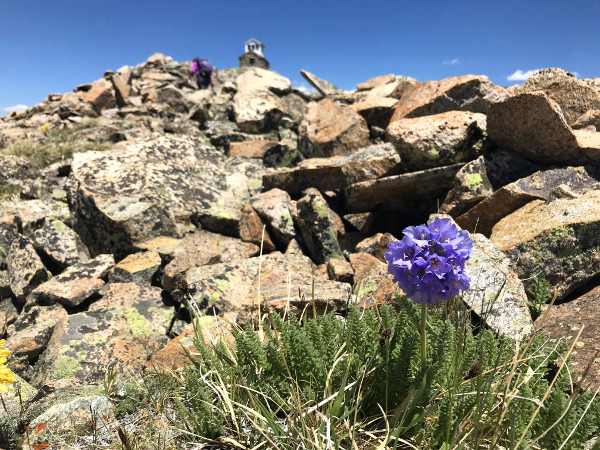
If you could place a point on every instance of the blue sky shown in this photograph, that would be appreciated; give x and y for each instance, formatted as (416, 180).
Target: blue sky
(52, 46)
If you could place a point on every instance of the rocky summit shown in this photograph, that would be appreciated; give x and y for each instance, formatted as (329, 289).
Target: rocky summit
(138, 196)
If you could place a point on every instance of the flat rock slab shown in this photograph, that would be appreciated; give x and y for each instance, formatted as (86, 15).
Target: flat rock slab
(330, 129)
(480, 178)
(324, 87)
(336, 172)
(568, 182)
(559, 241)
(296, 298)
(564, 322)
(136, 268)
(202, 248)
(25, 268)
(85, 416)
(497, 295)
(84, 344)
(60, 245)
(227, 287)
(29, 215)
(156, 188)
(364, 196)
(250, 149)
(465, 93)
(533, 125)
(76, 284)
(438, 140)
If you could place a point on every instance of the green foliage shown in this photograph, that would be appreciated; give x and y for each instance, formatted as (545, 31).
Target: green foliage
(330, 380)
(539, 295)
(56, 145)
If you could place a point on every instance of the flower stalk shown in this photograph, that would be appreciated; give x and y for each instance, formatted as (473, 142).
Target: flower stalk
(423, 335)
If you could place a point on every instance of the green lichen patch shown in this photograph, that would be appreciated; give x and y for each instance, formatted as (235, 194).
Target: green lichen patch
(65, 367)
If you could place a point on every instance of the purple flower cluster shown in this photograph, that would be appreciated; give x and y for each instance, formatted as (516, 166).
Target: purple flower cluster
(429, 262)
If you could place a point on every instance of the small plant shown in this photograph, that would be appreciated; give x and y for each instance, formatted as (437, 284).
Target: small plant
(538, 296)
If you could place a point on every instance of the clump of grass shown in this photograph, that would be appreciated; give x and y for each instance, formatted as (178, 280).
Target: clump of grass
(55, 146)
(9, 191)
(342, 384)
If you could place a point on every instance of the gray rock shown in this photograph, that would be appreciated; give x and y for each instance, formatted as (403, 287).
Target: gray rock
(29, 215)
(25, 268)
(156, 188)
(438, 140)
(317, 228)
(497, 294)
(375, 245)
(60, 245)
(8, 233)
(276, 209)
(85, 416)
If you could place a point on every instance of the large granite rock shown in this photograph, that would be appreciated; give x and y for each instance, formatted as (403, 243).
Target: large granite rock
(558, 240)
(465, 93)
(569, 182)
(373, 284)
(251, 230)
(480, 178)
(497, 295)
(437, 140)
(157, 188)
(136, 268)
(564, 321)
(264, 101)
(330, 129)
(394, 88)
(575, 97)
(534, 126)
(227, 287)
(336, 172)
(127, 328)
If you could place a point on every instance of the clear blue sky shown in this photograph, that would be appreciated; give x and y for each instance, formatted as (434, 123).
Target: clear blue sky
(52, 46)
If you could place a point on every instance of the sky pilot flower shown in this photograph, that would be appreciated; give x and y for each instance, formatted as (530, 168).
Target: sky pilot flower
(429, 262)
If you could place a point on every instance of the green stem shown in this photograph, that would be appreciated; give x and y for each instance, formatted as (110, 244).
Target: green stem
(422, 330)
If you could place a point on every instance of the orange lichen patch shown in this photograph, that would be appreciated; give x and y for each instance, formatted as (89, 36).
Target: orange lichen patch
(105, 417)
(39, 427)
(40, 446)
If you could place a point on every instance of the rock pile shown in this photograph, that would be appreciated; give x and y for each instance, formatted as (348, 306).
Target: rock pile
(102, 254)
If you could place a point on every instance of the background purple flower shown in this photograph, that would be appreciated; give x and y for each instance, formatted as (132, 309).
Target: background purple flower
(429, 262)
